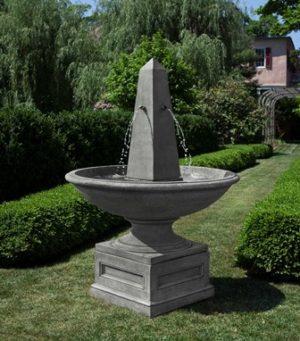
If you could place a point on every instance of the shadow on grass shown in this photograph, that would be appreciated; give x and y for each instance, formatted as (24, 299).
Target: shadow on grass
(239, 295)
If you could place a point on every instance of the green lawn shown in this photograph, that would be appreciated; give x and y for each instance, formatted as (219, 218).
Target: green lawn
(52, 302)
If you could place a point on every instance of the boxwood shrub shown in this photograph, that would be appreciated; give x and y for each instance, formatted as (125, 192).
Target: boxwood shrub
(261, 150)
(270, 240)
(230, 159)
(92, 138)
(32, 154)
(42, 226)
(233, 157)
(96, 137)
(37, 150)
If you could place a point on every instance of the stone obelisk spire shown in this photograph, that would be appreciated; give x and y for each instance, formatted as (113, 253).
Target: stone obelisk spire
(153, 151)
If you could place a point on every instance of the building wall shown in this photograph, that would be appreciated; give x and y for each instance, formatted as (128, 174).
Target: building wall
(278, 74)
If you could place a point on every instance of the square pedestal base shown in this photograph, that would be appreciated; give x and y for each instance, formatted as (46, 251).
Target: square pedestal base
(151, 284)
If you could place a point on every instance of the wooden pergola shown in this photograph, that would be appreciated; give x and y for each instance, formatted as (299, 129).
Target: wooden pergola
(267, 101)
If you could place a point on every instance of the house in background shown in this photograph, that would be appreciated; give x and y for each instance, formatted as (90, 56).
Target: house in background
(277, 77)
(273, 67)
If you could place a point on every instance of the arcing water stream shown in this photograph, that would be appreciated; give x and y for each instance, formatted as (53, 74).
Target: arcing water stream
(179, 133)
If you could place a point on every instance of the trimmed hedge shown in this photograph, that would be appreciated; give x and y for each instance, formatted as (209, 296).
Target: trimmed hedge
(32, 154)
(92, 138)
(42, 226)
(200, 134)
(233, 157)
(261, 150)
(270, 241)
(96, 137)
(45, 225)
(230, 159)
(37, 150)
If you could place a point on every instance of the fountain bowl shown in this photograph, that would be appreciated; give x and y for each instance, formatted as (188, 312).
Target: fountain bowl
(151, 200)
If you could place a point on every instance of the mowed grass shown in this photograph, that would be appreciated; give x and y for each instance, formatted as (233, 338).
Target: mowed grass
(52, 302)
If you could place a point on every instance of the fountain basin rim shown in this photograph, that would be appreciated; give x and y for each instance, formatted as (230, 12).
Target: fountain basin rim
(76, 178)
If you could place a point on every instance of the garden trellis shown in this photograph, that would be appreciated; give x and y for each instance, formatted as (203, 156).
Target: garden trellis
(268, 101)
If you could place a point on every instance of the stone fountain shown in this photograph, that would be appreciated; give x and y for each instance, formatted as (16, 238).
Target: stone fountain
(151, 269)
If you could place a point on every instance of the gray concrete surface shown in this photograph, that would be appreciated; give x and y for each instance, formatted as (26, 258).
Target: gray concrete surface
(153, 151)
(151, 284)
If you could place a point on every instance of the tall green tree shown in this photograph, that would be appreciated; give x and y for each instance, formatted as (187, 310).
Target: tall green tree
(263, 27)
(123, 76)
(286, 13)
(206, 55)
(124, 22)
(47, 49)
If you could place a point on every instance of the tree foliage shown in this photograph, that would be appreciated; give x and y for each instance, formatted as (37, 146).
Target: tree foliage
(233, 109)
(124, 22)
(55, 56)
(47, 51)
(197, 51)
(286, 14)
(123, 76)
(263, 27)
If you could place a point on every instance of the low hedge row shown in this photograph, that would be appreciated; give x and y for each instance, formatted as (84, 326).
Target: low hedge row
(262, 151)
(42, 226)
(270, 240)
(234, 157)
(47, 224)
(230, 159)
(37, 150)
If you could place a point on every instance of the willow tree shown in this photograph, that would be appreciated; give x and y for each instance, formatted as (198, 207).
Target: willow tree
(206, 55)
(47, 50)
(124, 22)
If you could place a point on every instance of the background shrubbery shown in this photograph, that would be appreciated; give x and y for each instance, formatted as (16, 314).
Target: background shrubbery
(234, 111)
(37, 150)
(288, 118)
(32, 155)
(200, 134)
(96, 138)
(92, 138)
(270, 241)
